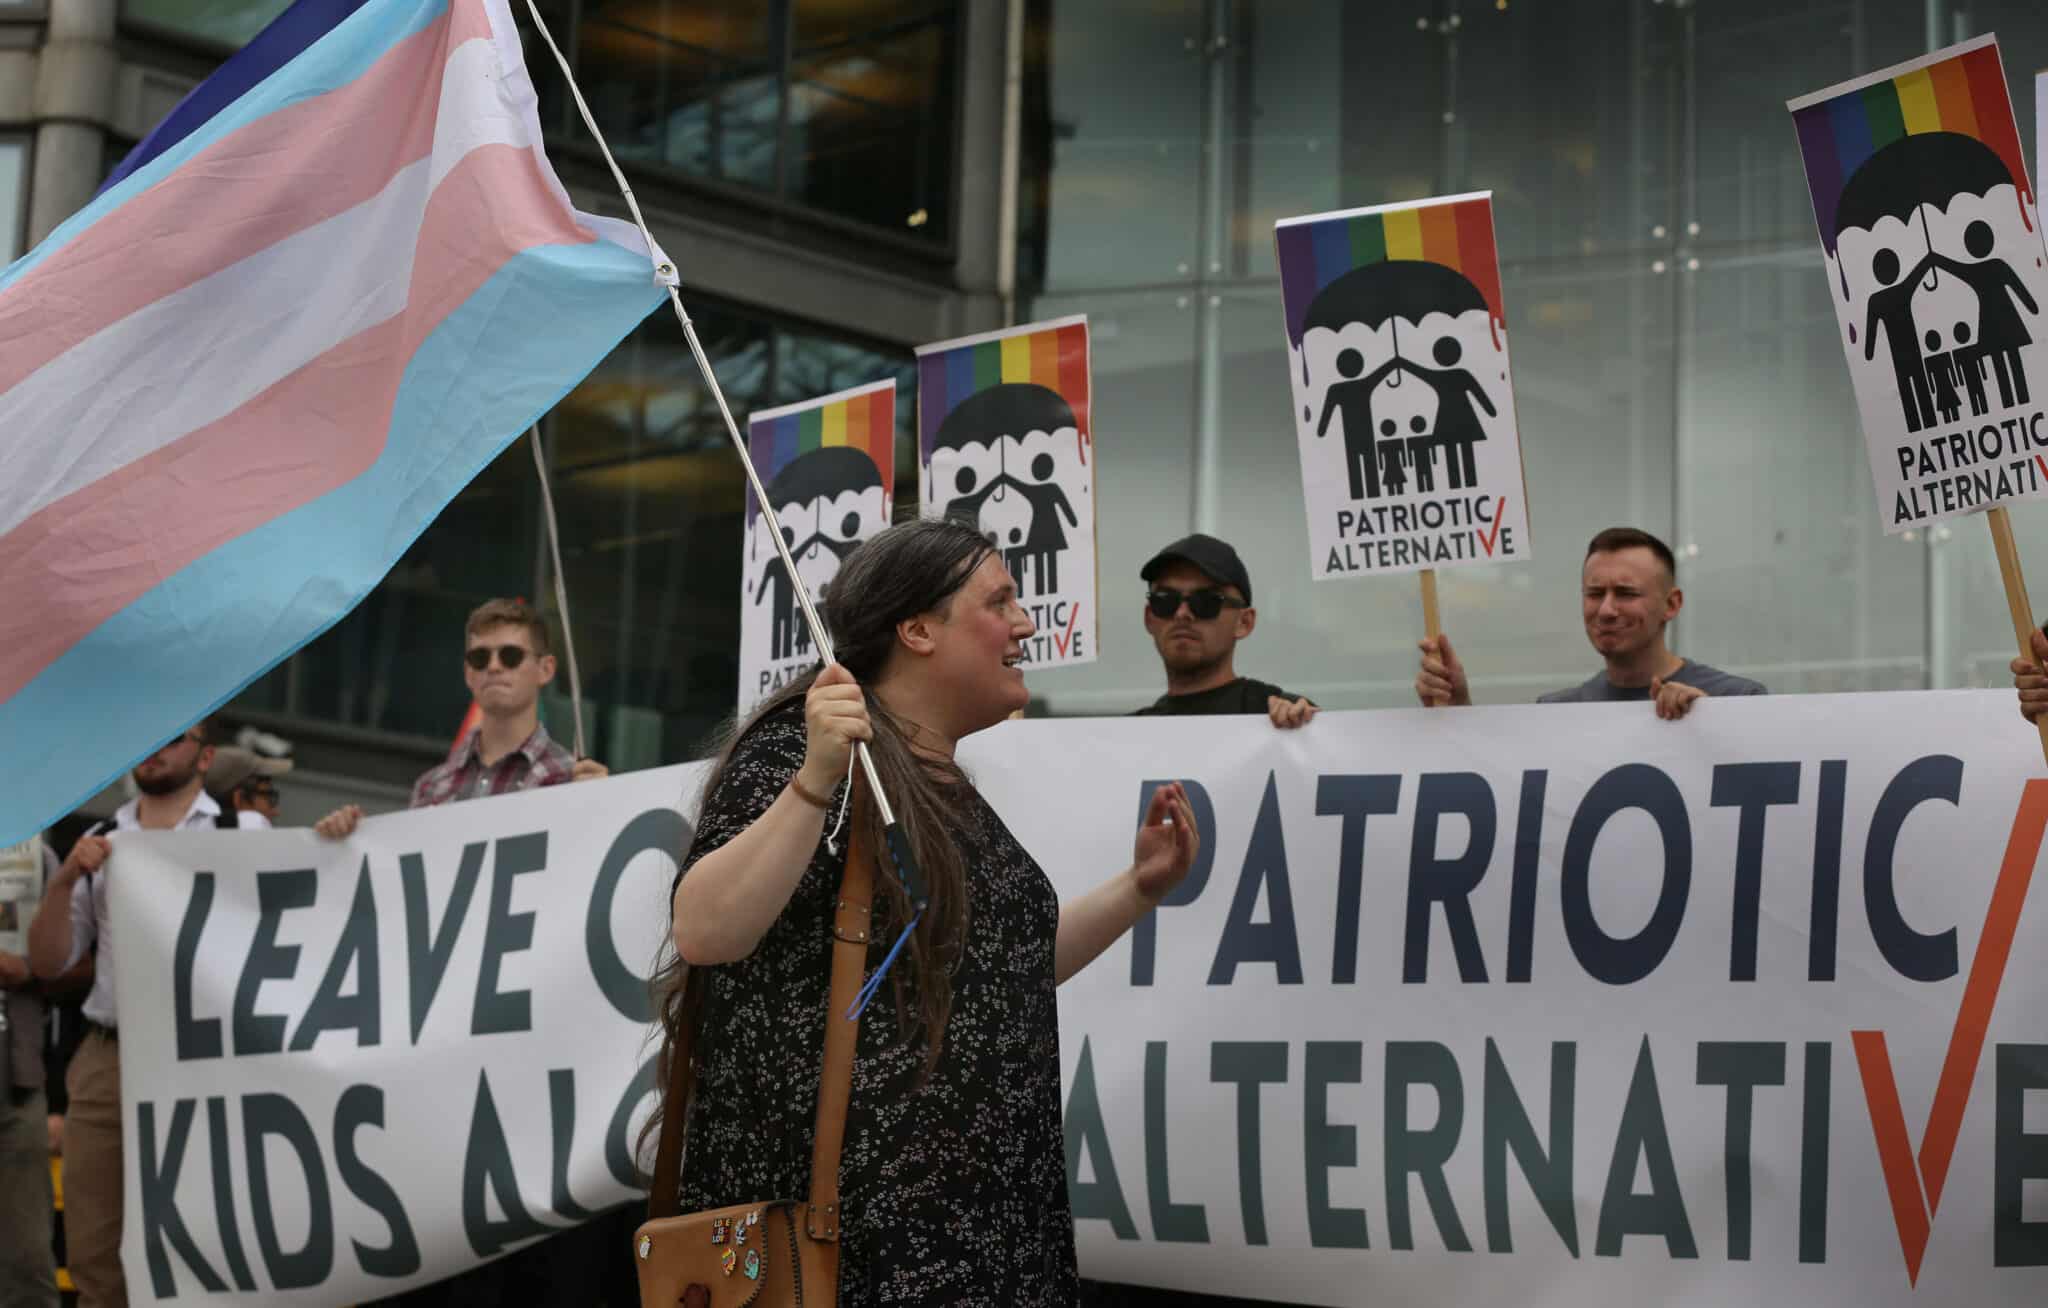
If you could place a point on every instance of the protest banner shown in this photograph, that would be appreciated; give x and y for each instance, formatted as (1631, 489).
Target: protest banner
(1005, 440)
(350, 1067)
(1398, 359)
(829, 466)
(1568, 1006)
(1931, 232)
(1561, 1006)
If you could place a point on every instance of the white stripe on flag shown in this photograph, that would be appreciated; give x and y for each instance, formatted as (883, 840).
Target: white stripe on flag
(197, 355)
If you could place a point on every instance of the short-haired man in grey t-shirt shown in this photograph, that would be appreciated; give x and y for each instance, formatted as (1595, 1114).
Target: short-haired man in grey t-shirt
(1628, 595)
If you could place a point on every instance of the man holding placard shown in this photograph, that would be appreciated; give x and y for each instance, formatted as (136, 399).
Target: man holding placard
(1629, 595)
(1197, 610)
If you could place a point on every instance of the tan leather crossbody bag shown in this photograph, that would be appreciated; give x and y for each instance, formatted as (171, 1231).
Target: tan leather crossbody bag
(781, 1252)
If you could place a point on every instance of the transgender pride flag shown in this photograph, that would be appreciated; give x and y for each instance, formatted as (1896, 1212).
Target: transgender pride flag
(237, 385)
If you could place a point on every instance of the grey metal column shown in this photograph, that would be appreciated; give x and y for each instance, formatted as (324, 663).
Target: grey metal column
(74, 103)
(1941, 659)
(1213, 243)
(1684, 298)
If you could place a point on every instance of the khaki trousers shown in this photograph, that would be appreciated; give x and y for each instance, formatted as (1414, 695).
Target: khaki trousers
(93, 1172)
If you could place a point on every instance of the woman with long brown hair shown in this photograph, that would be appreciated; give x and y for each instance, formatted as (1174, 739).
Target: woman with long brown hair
(953, 1181)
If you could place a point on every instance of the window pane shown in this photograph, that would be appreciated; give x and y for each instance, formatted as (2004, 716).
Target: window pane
(13, 196)
(230, 22)
(690, 86)
(394, 663)
(871, 113)
(648, 493)
(1125, 118)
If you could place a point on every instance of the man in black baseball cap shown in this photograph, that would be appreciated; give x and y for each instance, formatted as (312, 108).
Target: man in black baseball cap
(1198, 607)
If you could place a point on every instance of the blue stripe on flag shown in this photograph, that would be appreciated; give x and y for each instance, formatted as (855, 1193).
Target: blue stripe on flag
(287, 37)
(335, 60)
(222, 621)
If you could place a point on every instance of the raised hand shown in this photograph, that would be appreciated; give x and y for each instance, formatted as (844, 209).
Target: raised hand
(1167, 843)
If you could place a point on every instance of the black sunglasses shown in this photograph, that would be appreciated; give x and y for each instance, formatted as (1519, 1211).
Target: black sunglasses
(1204, 604)
(509, 657)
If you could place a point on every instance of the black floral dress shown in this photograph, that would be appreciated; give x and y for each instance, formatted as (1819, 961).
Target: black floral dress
(954, 1191)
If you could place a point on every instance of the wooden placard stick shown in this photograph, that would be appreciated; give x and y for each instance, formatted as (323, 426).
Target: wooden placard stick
(2015, 595)
(1433, 626)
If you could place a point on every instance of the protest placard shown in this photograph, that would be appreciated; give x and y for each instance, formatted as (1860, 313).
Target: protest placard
(829, 466)
(1404, 407)
(1005, 440)
(1932, 237)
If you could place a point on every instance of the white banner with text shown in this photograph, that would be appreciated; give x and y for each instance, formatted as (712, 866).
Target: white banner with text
(350, 1067)
(1552, 1005)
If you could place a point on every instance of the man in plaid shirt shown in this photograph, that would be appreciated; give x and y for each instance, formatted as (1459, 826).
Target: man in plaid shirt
(506, 662)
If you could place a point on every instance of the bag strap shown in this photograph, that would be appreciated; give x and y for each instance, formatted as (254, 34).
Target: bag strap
(850, 931)
(852, 920)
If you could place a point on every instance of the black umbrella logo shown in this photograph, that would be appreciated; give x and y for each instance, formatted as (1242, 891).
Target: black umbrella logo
(1422, 399)
(1018, 507)
(1953, 314)
(810, 495)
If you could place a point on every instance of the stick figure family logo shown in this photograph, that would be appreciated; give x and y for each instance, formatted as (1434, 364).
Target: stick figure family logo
(1387, 430)
(1928, 223)
(1006, 447)
(1019, 509)
(1914, 1182)
(830, 469)
(1399, 365)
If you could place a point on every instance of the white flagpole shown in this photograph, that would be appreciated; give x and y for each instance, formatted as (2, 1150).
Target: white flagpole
(899, 847)
(547, 505)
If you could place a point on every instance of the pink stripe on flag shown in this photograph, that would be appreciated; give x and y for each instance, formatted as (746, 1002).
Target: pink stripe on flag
(278, 176)
(77, 562)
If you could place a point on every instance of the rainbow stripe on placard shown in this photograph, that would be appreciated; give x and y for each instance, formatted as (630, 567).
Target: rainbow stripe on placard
(1053, 354)
(864, 417)
(1962, 92)
(1457, 233)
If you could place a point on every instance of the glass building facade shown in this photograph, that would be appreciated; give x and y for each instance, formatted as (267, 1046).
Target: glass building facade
(1675, 357)
(843, 179)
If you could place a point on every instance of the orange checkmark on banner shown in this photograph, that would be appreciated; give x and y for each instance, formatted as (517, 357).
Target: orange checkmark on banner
(1073, 620)
(1488, 540)
(1912, 1209)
